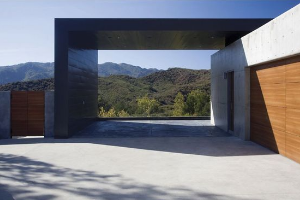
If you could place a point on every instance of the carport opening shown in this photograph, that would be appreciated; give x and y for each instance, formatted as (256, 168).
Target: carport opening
(77, 42)
(154, 84)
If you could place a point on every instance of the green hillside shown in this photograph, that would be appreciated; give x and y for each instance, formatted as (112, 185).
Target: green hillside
(122, 93)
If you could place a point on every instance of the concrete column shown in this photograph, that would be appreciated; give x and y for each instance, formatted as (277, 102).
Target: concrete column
(49, 113)
(4, 115)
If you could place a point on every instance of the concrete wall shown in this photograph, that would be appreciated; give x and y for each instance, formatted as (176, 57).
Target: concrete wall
(4, 115)
(49, 113)
(277, 39)
(83, 88)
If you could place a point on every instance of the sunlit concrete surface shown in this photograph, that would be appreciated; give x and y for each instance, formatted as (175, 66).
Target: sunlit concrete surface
(144, 168)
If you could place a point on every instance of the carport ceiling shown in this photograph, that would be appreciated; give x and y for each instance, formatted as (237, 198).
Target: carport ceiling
(153, 40)
(155, 34)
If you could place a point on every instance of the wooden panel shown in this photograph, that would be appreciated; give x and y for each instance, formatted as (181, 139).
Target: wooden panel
(36, 113)
(293, 147)
(27, 113)
(36, 98)
(268, 94)
(267, 74)
(35, 128)
(293, 121)
(18, 113)
(293, 95)
(293, 70)
(270, 116)
(270, 138)
(275, 104)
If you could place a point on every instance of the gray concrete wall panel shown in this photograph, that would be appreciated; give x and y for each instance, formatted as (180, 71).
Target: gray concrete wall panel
(278, 39)
(49, 113)
(5, 115)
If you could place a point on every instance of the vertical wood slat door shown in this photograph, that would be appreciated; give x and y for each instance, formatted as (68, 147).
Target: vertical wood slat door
(28, 111)
(274, 106)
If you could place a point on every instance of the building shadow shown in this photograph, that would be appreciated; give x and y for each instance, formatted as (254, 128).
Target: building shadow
(27, 179)
(150, 128)
(202, 146)
(264, 108)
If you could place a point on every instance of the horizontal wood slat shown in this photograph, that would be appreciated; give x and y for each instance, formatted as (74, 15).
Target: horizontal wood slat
(271, 138)
(275, 106)
(36, 98)
(293, 121)
(269, 94)
(19, 115)
(293, 95)
(27, 113)
(264, 75)
(293, 70)
(271, 116)
(293, 147)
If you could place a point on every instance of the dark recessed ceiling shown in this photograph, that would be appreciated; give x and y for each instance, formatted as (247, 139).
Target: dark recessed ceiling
(156, 34)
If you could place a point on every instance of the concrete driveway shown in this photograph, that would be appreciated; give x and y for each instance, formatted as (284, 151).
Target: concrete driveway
(225, 168)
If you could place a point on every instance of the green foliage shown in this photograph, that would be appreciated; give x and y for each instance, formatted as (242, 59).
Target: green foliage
(36, 85)
(165, 92)
(147, 106)
(197, 104)
(112, 113)
(123, 113)
(121, 92)
(179, 105)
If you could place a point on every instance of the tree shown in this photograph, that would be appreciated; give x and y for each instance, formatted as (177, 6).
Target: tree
(197, 104)
(123, 113)
(147, 106)
(179, 105)
(110, 113)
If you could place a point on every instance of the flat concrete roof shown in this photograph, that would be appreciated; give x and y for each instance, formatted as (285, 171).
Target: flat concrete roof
(155, 34)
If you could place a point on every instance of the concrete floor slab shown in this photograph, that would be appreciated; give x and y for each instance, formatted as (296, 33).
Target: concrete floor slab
(152, 128)
(143, 168)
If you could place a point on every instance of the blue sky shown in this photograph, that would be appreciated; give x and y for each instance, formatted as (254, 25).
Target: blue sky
(27, 26)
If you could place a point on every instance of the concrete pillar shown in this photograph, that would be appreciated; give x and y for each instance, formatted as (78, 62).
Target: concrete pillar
(49, 113)
(4, 115)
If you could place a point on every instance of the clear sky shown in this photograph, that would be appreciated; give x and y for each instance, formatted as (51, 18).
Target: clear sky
(27, 26)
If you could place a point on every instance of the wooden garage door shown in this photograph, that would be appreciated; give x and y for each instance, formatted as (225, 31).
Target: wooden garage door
(275, 106)
(27, 113)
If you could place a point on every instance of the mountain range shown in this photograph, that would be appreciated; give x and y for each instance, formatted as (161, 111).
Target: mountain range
(122, 91)
(36, 70)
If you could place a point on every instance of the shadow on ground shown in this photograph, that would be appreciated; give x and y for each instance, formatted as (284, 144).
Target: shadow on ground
(151, 128)
(185, 137)
(205, 146)
(27, 179)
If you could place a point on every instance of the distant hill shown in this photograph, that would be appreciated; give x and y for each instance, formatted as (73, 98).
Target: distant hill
(109, 68)
(35, 70)
(26, 72)
(121, 91)
(35, 85)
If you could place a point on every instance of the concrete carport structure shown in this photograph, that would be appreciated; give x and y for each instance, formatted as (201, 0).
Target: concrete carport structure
(265, 66)
(76, 56)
